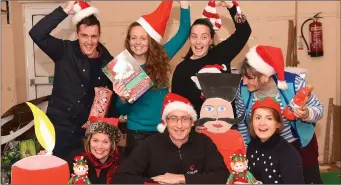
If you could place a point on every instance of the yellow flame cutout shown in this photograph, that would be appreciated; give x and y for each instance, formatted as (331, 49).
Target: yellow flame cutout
(44, 129)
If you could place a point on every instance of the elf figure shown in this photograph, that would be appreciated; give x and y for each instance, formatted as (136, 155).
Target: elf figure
(217, 114)
(80, 169)
(240, 172)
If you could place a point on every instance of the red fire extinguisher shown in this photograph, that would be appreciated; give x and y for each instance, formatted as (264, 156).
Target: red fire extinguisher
(315, 35)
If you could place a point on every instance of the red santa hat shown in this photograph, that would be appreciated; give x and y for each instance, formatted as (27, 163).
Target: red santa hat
(268, 102)
(210, 13)
(82, 10)
(268, 60)
(173, 102)
(155, 23)
(216, 68)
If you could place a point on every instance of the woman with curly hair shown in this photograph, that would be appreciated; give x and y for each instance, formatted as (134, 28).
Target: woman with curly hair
(143, 42)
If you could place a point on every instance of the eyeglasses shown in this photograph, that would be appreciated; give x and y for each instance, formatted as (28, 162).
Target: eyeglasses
(174, 119)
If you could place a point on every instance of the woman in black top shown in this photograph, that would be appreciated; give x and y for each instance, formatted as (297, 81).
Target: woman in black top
(100, 150)
(203, 53)
(271, 159)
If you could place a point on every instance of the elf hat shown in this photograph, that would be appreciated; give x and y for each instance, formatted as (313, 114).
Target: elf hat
(107, 126)
(80, 160)
(82, 10)
(210, 13)
(238, 156)
(174, 102)
(155, 23)
(268, 102)
(268, 60)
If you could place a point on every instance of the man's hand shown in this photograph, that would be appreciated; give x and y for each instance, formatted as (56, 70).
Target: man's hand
(226, 4)
(302, 112)
(68, 8)
(170, 178)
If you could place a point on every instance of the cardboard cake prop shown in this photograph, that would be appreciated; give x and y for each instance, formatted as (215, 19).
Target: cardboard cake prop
(41, 169)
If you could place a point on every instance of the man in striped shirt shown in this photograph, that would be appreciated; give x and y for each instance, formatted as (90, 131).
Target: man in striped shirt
(263, 76)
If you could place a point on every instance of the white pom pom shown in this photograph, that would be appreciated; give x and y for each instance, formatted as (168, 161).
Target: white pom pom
(161, 127)
(224, 67)
(282, 85)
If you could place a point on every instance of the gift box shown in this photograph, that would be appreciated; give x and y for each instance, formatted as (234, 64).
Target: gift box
(124, 69)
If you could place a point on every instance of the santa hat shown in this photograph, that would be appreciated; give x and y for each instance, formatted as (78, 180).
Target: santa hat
(155, 23)
(210, 13)
(107, 126)
(238, 156)
(209, 69)
(268, 60)
(268, 102)
(80, 160)
(82, 10)
(219, 85)
(173, 102)
(213, 68)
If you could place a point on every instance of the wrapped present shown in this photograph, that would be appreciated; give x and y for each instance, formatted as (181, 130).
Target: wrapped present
(124, 69)
(101, 102)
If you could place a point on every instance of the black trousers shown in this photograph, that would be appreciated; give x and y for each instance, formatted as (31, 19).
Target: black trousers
(67, 142)
(134, 138)
(312, 174)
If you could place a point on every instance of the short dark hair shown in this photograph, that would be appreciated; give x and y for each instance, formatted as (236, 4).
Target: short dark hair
(205, 22)
(89, 21)
(249, 72)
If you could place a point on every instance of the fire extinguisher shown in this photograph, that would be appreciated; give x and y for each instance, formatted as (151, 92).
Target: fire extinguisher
(315, 35)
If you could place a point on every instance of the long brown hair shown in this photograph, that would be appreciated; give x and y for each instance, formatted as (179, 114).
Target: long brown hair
(274, 114)
(157, 62)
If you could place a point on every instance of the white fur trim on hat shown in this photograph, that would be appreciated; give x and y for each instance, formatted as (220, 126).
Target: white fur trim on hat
(282, 85)
(209, 70)
(161, 127)
(181, 107)
(85, 13)
(258, 63)
(149, 29)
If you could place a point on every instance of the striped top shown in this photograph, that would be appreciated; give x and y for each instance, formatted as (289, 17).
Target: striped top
(314, 106)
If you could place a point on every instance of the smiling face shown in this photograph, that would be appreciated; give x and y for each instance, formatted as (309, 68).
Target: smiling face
(80, 169)
(100, 146)
(88, 37)
(179, 125)
(200, 40)
(217, 108)
(138, 41)
(265, 123)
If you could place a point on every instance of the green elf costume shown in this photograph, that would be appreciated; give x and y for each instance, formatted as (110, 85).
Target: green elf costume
(240, 172)
(80, 168)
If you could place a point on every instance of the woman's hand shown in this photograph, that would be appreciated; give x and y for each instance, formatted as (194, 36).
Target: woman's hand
(184, 4)
(226, 4)
(119, 89)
